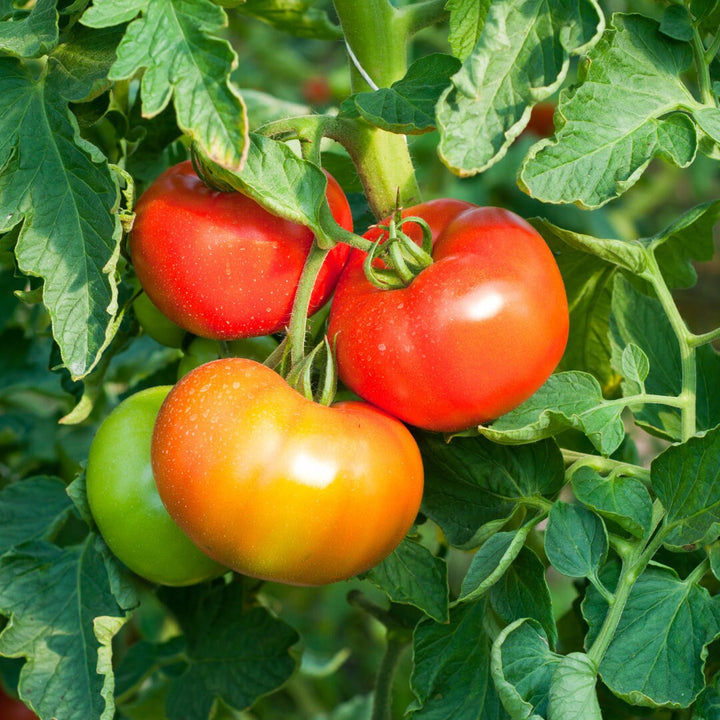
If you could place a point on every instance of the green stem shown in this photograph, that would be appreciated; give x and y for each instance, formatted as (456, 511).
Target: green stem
(301, 304)
(377, 35)
(397, 641)
(703, 69)
(688, 393)
(705, 338)
(712, 51)
(575, 460)
(632, 568)
(420, 15)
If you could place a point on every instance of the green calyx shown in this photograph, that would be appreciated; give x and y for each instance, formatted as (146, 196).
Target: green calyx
(400, 258)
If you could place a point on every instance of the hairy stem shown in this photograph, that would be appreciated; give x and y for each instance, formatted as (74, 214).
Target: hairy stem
(382, 696)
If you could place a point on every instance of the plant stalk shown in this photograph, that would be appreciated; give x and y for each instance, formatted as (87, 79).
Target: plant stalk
(378, 36)
(397, 641)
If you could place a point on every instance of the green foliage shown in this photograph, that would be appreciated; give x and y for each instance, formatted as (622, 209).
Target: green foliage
(566, 562)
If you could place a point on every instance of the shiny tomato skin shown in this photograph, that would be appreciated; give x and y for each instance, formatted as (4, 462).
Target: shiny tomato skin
(472, 336)
(218, 264)
(124, 501)
(278, 487)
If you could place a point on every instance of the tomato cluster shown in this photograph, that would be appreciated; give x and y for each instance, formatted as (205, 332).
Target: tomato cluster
(233, 467)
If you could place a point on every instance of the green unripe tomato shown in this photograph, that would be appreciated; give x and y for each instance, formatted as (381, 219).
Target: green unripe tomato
(155, 324)
(125, 503)
(202, 350)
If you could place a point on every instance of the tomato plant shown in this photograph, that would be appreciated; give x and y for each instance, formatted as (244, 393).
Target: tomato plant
(217, 263)
(575, 533)
(471, 337)
(125, 503)
(278, 487)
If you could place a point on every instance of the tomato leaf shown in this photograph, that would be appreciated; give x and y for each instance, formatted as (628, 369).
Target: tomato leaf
(522, 669)
(572, 691)
(658, 652)
(617, 120)
(451, 673)
(686, 479)
(55, 597)
(472, 486)
(576, 541)
(105, 14)
(467, 19)
(522, 57)
(412, 575)
(566, 400)
(408, 105)
(707, 706)
(74, 244)
(624, 500)
(523, 592)
(34, 35)
(32, 509)
(174, 42)
(230, 653)
(283, 183)
(490, 563)
(297, 17)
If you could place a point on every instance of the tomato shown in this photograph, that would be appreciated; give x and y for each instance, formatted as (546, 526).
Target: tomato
(541, 123)
(471, 337)
(125, 503)
(202, 350)
(278, 487)
(12, 709)
(155, 324)
(218, 264)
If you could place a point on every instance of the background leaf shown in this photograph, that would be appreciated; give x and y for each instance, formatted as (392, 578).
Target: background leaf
(32, 509)
(236, 655)
(413, 575)
(451, 673)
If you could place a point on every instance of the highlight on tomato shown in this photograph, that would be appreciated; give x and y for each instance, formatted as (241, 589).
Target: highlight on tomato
(278, 487)
(218, 264)
(124, 501)
(472, 336)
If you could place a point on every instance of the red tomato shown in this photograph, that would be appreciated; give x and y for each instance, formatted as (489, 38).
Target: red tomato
(471, 337)
(278, 487)
(12, 709)
(218, 264)
(541, 122)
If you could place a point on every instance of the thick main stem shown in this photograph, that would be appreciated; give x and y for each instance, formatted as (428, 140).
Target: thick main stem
(377, 38)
